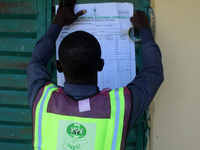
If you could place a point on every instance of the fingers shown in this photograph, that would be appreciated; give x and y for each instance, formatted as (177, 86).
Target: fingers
(70, 3)
(138, 12)
(60, 3)
(80, 13)
(73, 3)
(140, 20)
(132, 21)
(65, 2)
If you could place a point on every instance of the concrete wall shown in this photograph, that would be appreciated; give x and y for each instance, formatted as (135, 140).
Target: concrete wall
(176, 108)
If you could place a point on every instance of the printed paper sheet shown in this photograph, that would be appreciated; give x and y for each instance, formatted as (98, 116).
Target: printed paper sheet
(109, 23)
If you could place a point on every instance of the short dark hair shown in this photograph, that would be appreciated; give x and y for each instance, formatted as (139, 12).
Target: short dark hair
(79, 55)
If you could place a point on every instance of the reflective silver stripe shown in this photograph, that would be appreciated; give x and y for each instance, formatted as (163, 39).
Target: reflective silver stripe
(117, 115)
(40, 117)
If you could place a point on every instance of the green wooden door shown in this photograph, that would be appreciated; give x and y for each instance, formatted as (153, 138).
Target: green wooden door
(22, 23)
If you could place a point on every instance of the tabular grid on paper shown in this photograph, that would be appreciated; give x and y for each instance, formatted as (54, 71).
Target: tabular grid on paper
(118, 52)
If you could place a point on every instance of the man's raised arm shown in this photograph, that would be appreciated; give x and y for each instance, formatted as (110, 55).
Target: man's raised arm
(37, 72)
(145, 85)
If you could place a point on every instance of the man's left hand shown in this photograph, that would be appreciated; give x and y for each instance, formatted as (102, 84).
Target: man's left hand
(65, 14)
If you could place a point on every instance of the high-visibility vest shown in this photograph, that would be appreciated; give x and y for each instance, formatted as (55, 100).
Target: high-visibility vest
(61, 132)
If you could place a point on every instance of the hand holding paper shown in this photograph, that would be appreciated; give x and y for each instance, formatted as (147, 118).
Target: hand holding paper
(65, 14)
(140, 20)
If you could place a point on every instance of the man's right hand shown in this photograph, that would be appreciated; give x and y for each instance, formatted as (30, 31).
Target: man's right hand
(140, 20)
(65, 14)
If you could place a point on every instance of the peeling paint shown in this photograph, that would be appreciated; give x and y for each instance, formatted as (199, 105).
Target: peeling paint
(22, 47)
(18, 7)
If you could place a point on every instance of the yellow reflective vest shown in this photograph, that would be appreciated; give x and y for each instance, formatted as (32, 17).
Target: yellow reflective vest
(62, 132)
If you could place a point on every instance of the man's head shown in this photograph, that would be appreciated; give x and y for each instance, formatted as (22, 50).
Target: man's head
(80, 58)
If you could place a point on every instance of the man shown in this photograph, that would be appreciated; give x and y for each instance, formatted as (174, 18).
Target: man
(79, 116)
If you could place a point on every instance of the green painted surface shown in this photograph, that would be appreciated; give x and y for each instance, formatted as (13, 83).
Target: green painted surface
(15, 115)
(16, 132)
(22, 23)
(18, 45)
(14, 62)
(18, 7)
(11, 25)
(14, 98)
(14, 146)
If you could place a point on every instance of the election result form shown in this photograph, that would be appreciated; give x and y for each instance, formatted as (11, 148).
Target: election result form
(109, 23)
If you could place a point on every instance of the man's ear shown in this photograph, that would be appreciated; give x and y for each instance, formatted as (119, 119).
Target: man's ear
(58, 66)
(101, 64)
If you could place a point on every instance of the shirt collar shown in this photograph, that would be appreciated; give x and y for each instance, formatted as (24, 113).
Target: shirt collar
(78, 92)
